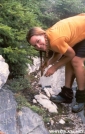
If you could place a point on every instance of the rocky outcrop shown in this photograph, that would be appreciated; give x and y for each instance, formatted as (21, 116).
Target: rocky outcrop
(7, 112)
(30, 122)
(24, 121)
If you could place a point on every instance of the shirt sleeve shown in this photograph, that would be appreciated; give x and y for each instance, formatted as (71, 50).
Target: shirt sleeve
(81, 14)
(59, 46)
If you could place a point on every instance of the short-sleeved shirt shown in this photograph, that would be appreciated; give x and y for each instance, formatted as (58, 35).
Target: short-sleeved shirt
(66, 32)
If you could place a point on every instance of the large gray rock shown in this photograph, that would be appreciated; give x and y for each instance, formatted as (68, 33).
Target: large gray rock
(12, 121)
(30, 122)
(7, 112)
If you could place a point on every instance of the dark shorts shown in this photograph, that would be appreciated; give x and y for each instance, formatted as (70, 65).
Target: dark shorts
(79, 49)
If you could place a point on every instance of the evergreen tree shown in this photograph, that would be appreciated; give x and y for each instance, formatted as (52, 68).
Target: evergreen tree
(15, 19)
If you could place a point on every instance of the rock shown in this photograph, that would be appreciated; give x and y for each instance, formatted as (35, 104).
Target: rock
(51, 122)
(48, 91)
(24, 121)
(7, 112)
(11, 121)
(30, 122)
(62, 121)
(56, 81)
(35, 66)
(4, 71)
(46, 103)
(34, 101)
(45, 81)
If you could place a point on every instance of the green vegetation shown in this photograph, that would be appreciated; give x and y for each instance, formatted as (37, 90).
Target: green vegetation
(18, 84)
(17, 16)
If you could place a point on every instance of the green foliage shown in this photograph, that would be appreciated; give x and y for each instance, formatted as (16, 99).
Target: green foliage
(67, 8)
(15, 19)
(18, 84)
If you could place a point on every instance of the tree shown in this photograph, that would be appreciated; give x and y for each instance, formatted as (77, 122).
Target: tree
(67, 8)
(15, 19)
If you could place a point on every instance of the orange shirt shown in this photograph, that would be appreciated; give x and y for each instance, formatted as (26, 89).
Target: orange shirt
(66, 32)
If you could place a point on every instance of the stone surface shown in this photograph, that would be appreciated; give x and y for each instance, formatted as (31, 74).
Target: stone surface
(4, 71)
(7, 112)
(30, 122)
(35, 66)
(46, 103)
(56, 81)
(12, 121)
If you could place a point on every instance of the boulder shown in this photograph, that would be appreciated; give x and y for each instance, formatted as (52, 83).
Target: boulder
(30, 122)
(12, 121)
(46, 103)
(24, 121)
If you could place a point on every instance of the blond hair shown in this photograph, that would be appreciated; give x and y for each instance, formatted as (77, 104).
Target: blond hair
(34, 31)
